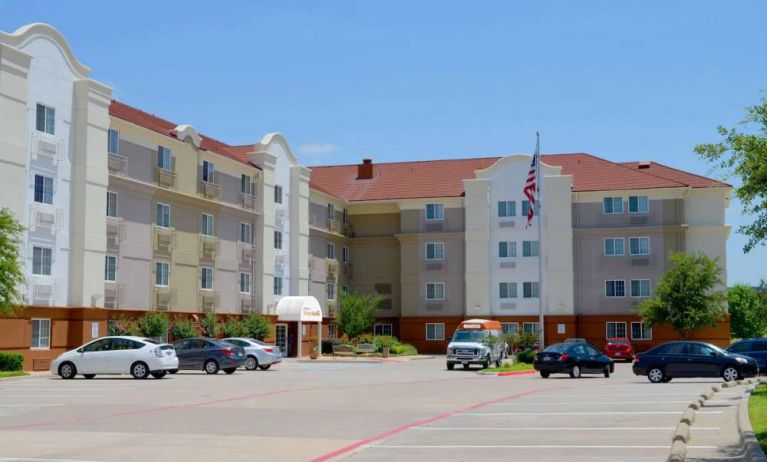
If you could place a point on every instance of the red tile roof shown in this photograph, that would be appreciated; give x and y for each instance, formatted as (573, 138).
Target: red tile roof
(691, 179)
(444, 178)
(152, 122)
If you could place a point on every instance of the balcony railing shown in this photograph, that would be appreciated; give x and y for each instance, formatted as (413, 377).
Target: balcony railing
(209, 246)
(165, 178)
(247, 303)
(117, 164)
(332, 308)
(210, 190)
(45, 147)
(246, 254)
(331, 269)
(334, 226)
(115, 230)
(208, 301)
(114, 295)
(248, 201)
(45, 217)
(164, 239)
(43, 291)
(348, 270)
(163, 298)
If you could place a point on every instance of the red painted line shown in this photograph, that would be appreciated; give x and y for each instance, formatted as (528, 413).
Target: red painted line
(513, 373)
(347, 449)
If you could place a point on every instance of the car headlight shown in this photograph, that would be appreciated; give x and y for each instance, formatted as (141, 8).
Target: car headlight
(742, 360)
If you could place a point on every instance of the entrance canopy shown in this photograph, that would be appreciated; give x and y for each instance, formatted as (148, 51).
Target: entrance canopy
(303, 309)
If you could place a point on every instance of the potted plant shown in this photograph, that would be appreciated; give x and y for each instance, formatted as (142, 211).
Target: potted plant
(314, 353)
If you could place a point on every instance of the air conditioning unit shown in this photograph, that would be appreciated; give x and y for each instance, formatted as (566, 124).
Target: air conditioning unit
(163, 299)
(115, 230)
(208, 301)
(43, 216)
(114, 295)
(47, 148)
(246, 255)
(508, 264)
(508, 306)
(43, 292)
(506, 224)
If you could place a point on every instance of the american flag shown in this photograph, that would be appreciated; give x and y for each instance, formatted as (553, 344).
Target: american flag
(531, 189)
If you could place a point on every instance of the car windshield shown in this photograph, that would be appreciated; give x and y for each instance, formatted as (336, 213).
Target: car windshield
(556, 348)
(469, 335)
(258, 342)
(716, 348)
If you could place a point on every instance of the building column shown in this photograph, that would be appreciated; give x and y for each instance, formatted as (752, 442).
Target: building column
(299, 230)
(264, 233)
(477, 257)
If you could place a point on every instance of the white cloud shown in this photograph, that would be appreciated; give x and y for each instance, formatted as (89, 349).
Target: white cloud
(317, 149)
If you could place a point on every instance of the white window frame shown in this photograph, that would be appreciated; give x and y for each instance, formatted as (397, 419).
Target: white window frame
(330, 291)
(330, 250)
(345, 254)
(380, 328)
(162, 152)
(435, 327)
(511, 249)
(116, 201)
(631, 288)
(157, 208)
(42, 260)
(533, 285)
(46, 192)
(435, 245)
(41, 345)
(107, 258)
(158, 273)
(277, 194)
(509, 285)
(211, 221)
(533, 246)
(505, 327)
(438, 212)
(203, 279)
(249, 233)
(116, 148)
(614, 288)
(639, 238)
(612, 205)
(210, 172)
(644, 330)
(435, 284)
(249, 277)
(616, 323)
(509, 209)
(614, 240)
(638, 211)
(49, 119)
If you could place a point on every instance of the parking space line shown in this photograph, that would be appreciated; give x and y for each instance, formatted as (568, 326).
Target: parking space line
(528, 446)
(555, 428)
(577, 403)
(581, 413)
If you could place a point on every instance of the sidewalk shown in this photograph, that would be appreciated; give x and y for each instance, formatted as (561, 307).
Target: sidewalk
(359, 359)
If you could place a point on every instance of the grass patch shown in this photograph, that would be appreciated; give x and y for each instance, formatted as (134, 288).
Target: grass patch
(5, 374)
(516, 367)
(757, 410)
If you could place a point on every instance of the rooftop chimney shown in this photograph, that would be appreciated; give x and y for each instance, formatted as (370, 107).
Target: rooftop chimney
(644, 164)
(365, 169)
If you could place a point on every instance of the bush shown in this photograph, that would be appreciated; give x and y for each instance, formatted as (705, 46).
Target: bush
(153, 324)
(382, 341)
(11, 361)
(208, 323)
(403, 349)
(526, 356)
(183, 328)
(256, 326)
(123, 326)
(232, 328)
(364, 338)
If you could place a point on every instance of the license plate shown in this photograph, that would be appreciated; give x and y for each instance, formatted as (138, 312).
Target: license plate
(617, 354)
(464, 362)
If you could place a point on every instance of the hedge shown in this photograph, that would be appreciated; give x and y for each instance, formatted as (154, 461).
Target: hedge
(11, 361)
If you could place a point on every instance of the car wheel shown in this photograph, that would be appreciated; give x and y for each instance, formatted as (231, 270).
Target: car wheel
(655, 375)
(264, 367)
(211, 367)
(172, 371)
(730, 374)
(545, 375)
(607, 372)
(251, 363)
(486, 364)
(89, 376)
(230, 370)
(139, 370)
(159, 374)
(450, 366)
(575, 371)
(666, 379)
(67, 371)
(498, 362)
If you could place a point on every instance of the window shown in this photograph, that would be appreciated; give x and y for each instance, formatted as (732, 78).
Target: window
(278, 239)
(163, 215)
(530, 289)
(164, 158)
(507, 209)
(41, 261)
(508, 290)
(207, 225)
(206, 278)
(435, 331)
(530, 248)
(208, 171)
(526, 208)
(640, 287)
(640, 332)
(531, 328)
(435, 291)
(245, 279)
(510, 327)
(346, 289)
(43, 189)
(161, 273)
(246, 184)
(638, 204)
(277, 285)
(110, 268)
(435, 250)
(615, 288)
(246, 234)
(639, 245)
(345, 254)
(435, 212)
(330, 290)
(331, 331)
(614, 246)
(345, 216)
(41, 333)
(111, 204)
(615, 330)
(278, 194)
(331, 250)
(507, 249)
(46, 119)
(612, 205)
(331, 212)
(383, 329)
(113, 142)
(700, 350)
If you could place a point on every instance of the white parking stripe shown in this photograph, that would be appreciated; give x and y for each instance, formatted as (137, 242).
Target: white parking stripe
(30, 405)
(526, 446)
(40, 396)
(582, 413)
(555, 428)
(610, 395)
(29, 459)
(577, 403)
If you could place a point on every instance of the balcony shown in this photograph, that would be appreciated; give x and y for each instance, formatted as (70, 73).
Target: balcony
(248, 201)
(332, 308)
(165, 178)
(115, 230)
(435, 265)
(334, 226)
(210, 190)
(208, 301)
(208, 247)
(247, 303)
(114, 295)
(279, 265)
(279, 219)
(47, 148)
(348, 270)
(164, 240)
(44, 217)
(163, 298)
(42, 291)
(331, 269)
(507, 223)
(508, 264)
(246, 255)
(117, 164)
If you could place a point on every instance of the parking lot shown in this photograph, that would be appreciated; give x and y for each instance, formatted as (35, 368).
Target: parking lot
(360, 411)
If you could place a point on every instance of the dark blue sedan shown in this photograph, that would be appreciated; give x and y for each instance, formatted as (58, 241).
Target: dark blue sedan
(692, 359)
(209, 355)
(753, 348)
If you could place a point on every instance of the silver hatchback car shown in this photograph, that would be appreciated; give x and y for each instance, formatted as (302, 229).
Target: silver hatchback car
(258, 355)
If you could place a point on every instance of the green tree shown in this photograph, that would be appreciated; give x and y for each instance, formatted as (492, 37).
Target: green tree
(256, 326)
(153, 324)
(209, 324)
(183, 328)
(11, 276)
(748, 311)
(357, 313)
(743, 154)
(232, 328)
(687, 296)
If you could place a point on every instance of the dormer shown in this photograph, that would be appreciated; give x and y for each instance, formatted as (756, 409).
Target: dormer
(188, 134)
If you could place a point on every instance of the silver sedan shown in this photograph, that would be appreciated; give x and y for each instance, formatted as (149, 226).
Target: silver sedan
(258, 355)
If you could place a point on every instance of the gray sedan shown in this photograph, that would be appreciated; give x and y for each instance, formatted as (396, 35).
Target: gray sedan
(258, 355)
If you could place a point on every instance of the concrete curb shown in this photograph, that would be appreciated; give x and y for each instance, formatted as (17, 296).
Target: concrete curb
(682, 433)
(678, 452)
(506, 374)
(752, 450)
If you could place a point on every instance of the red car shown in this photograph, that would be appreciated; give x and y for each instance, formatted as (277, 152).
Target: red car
(619, 348)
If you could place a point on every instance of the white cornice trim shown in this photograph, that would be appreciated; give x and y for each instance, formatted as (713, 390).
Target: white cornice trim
(278, 138)
(25, 34)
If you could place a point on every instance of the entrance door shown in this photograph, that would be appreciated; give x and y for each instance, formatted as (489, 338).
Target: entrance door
(281, 334)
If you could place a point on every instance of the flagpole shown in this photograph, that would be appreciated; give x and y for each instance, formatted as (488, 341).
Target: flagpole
(538, 207)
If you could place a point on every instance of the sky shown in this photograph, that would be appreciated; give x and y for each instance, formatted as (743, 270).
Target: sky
(404, 80)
